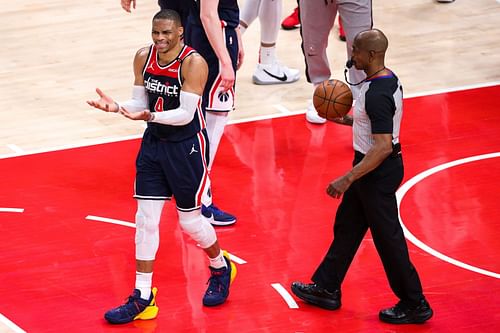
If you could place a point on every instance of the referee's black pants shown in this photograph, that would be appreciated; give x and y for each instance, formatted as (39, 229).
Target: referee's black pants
(370, 202)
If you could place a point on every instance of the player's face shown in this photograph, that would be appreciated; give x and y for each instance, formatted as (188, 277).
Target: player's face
(166, 34)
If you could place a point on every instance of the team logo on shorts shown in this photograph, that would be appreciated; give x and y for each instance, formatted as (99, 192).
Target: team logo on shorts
(223, 96)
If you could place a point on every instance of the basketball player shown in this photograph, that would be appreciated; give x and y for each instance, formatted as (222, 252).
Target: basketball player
(369, 194)
(212, 29)
(268, 70)
(316, 21)
(168, 84)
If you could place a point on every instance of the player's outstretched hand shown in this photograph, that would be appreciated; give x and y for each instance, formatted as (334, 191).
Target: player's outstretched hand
(104, 103)
(141, 115)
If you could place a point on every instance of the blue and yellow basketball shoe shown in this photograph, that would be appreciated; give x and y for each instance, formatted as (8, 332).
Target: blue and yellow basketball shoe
(219, 282)
(135, 308)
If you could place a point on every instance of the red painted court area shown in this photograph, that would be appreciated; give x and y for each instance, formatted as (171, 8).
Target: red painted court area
(61, 271)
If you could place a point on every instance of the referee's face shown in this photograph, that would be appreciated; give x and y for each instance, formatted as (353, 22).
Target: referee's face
(359, 56)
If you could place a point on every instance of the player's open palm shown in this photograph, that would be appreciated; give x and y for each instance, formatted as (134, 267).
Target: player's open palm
(104, 102)
(141, 115)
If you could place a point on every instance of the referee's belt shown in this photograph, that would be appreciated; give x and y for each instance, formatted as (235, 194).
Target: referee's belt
(396, 152)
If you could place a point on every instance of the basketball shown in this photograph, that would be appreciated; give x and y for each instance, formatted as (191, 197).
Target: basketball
(332, 99)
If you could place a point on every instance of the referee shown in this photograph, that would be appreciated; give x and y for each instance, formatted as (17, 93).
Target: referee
(369, 193)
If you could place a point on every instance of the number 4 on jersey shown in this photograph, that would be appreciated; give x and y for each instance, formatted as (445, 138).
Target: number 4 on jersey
(159, 104)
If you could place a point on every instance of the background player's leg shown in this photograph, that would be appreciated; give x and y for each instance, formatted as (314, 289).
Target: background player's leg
(316, 19)
(269, 70)
(355, 18)
(249, 13)
(216, 121)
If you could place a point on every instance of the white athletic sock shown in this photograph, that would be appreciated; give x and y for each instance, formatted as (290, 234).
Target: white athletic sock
(218, 262)
(143, 282)
(267, 55)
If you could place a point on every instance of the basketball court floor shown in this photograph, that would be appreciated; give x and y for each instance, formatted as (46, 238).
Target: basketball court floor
(67, 172)
(67, 229)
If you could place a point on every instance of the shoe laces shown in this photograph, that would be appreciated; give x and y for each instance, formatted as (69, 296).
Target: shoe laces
(134, 303)
(215, 281)
(216, 211)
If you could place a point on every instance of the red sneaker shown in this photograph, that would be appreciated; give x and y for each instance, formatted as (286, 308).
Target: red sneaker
(341, 31)
(291, 21)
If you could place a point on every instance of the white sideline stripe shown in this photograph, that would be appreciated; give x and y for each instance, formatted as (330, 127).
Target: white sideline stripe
(454, 89)
(236, 259)
(238, 121)
(12, 210)
(4, 320)
(286, 295)
(15, 148)
(72, 146)
(107, 220)
(418, 178)
(281, 108)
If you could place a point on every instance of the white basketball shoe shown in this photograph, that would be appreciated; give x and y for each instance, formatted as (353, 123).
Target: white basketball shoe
(312, 115)
(274, 73)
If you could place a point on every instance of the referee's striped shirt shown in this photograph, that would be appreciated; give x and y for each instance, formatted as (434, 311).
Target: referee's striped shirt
(378, 110)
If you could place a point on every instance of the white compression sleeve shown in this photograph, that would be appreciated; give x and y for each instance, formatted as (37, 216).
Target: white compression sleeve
(139, 101)
(250, 11)
(198, 228)
(147, 232)
(216, 121)
(270, 12)
(183, 114)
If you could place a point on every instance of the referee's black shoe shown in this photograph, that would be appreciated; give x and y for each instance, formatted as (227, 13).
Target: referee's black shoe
(404, 314)
(314, 294)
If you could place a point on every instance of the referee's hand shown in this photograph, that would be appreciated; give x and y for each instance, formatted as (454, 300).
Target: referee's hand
(337, 187)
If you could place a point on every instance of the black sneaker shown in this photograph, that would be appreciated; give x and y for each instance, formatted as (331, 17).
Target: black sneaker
(312, 293)
(404, 314)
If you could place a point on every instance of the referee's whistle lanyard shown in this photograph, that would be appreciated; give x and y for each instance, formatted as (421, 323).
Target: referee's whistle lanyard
(349, 64)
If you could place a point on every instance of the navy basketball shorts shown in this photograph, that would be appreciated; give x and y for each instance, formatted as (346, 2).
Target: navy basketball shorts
(214, 99)
(179, 169)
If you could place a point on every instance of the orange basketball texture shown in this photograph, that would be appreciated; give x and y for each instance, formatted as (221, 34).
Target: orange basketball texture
(332, 99)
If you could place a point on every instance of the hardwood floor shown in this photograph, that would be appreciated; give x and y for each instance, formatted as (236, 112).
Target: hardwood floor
(54, 54)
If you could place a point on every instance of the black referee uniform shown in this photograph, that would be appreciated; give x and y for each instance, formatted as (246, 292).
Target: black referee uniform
(370, 202)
